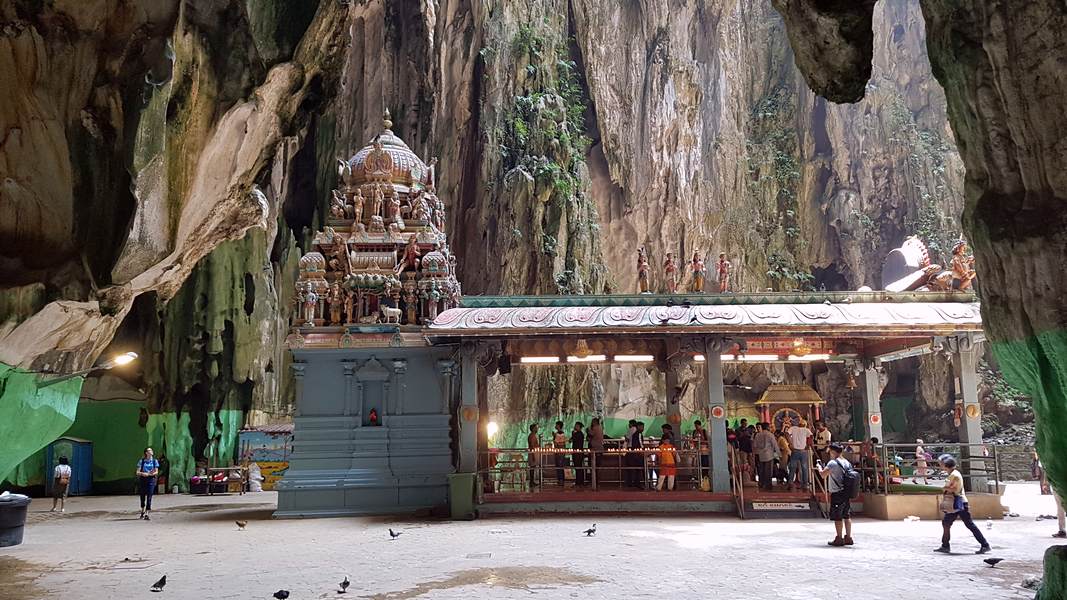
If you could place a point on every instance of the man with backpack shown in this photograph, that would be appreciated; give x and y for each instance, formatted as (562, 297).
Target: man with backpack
(841, 481)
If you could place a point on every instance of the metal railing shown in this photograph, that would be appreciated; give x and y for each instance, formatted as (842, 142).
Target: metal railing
(737, 476)
(529, 469)
(881, 464)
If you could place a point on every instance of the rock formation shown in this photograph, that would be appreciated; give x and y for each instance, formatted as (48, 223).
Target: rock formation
(1001, 68)
(570, 132)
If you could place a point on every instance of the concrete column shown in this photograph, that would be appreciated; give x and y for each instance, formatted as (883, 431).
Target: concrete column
(720, 472)
(349, 369)
(298, 384)
(871, 389)
(468, 413)
(970, 430)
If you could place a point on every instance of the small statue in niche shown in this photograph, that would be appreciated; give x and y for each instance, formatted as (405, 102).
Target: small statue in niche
(963, 272)
(350, 297)
(422, 210)
(298, 302)
(377, 226)
(722, 270)
(696, 266)
(311, 303)
(642, 270)
(379, 200)
(410, 257)
(670, 273)
(372, 417)
(357, 207)
(411, 303)
(431, 302)
(335, 300)
(410, 202)
(439, 214)
(394, 207)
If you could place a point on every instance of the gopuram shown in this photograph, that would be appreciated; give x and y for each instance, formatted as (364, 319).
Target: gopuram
(372, 416)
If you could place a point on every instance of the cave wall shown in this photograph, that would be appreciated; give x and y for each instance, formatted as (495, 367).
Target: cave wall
(569, 133)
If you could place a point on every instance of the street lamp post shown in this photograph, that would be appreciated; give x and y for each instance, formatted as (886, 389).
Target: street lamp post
(116, 361)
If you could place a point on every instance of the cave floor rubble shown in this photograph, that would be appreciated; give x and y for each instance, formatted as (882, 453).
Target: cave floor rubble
(99, 548)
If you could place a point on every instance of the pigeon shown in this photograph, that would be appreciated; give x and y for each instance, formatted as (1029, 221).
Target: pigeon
(344, 585)
(395, 534)
(158, 586)
(992, 562)
(591, 531)
(281, 594)
(241, 525)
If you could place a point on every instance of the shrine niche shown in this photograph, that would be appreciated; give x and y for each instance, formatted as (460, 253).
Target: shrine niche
(383, 255)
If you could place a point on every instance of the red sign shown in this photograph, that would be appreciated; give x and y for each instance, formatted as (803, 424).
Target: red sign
(876, 419)
(718, 412)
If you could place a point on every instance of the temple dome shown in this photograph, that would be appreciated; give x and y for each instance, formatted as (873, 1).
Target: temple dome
(386, 159)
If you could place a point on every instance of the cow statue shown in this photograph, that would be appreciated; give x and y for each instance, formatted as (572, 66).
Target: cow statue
(392, 315)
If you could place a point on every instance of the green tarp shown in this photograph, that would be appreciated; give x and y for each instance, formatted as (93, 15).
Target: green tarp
(31, 417)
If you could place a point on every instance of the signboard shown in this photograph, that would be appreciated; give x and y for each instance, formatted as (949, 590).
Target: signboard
(717, 412)
(876, 419)
(781, 506)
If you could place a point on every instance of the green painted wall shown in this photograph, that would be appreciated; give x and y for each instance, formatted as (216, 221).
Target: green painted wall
(31, 417)
(118, 441)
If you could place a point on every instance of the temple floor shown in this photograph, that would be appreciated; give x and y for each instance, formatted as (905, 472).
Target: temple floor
(194, 541)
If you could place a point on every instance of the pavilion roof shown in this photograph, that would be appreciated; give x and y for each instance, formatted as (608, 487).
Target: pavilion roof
(876, 314)
(790, 394)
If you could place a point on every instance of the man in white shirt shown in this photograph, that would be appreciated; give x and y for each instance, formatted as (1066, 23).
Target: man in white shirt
(822, 441)
(798, 458)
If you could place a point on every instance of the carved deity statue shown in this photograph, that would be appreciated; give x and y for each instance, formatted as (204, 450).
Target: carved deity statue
(311, 303)
(410, 257)
(337, 207)
(439, 214)
(357, 206)
(963, 272)
(299, 296)
(642, 270)
(431, 174)
(431, 302)
(394, 207)
(421, 210)
(670, 273)
(696, 267)
(411, 303)
(379, 200)
(336, 302)
(722, 271)
(350, 297)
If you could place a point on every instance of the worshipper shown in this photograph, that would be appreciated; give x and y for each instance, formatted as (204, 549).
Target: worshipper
(637, 459)
(822, 441)
(781, 472)
(798, 457)
(764, 446)
(578, 458)
(559, 443)
(629, 475)
(840, 503)
(147, 470)
(700, 439)
(667, 457)
(533, 442)
(60, 481)
(744, 447)
(596, 444)
(954, 505)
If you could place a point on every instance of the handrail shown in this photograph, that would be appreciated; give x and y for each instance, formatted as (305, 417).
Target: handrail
(739, 483)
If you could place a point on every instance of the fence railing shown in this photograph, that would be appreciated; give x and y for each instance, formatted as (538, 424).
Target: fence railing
(527, 469)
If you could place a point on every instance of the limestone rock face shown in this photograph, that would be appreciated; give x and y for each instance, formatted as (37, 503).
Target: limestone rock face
(569, 132)
(1001, 67)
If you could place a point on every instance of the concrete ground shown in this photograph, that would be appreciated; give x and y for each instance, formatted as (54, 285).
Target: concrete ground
(194, 541)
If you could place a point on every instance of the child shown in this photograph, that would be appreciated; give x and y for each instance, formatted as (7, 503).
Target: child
(59, 484)
(668, 460)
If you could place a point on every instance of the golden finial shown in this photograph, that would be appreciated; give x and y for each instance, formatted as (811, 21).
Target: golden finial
(386, 120)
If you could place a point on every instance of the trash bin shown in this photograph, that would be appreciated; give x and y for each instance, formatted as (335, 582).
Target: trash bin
(12, 518)
(461, 495)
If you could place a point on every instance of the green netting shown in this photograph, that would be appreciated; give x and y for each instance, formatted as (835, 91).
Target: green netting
(31, 417)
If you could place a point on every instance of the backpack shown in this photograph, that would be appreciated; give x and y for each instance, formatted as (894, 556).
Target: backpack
(850, 480)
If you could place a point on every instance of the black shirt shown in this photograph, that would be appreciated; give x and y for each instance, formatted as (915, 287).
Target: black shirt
(744, 442)
(577, 440)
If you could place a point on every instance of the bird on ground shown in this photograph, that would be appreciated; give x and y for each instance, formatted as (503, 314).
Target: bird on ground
(281, 594)
(395, 534)
(241, 525)
(158, 586)
(992, 562)
(344, 585)
(591, 531)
